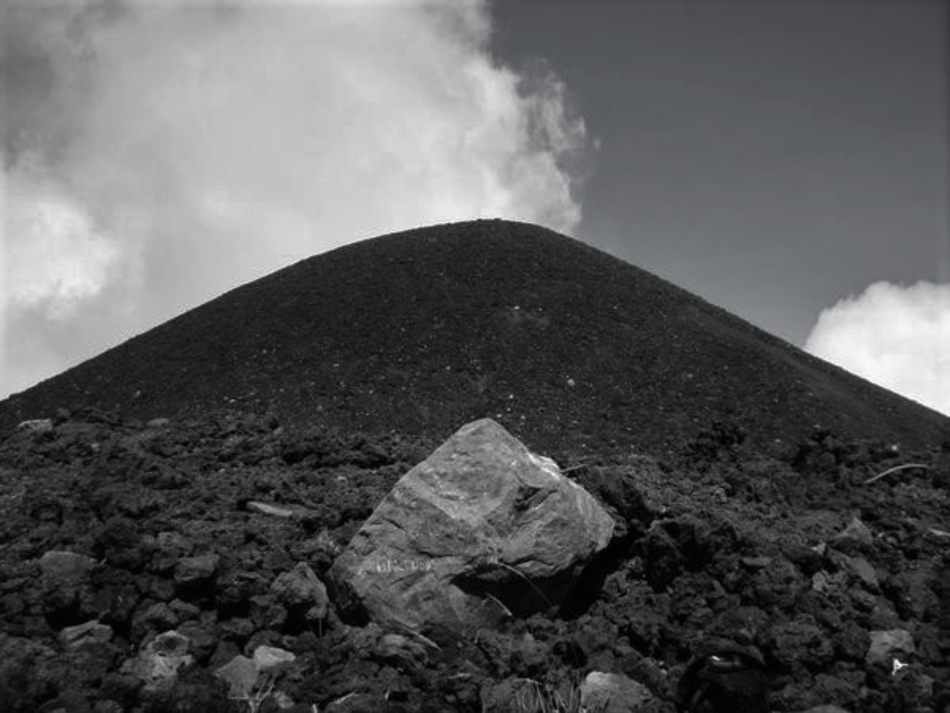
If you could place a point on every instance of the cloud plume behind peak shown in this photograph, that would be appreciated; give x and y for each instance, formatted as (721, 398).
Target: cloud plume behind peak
(158, 154)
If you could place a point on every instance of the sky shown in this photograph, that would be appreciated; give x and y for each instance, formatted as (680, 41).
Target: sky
(788, 161)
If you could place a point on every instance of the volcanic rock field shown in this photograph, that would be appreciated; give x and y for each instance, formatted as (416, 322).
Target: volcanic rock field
(175, 513)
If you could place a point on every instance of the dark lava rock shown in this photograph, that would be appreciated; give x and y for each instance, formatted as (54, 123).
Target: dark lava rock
(421, 331)
(143, 526)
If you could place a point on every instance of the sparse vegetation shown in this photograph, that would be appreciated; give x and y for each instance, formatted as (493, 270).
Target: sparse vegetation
(254, 699)
(537, 697)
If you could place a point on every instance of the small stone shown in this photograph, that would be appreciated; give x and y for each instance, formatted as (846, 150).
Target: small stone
(184, 610)
(171, 643)
(36, 425)
(195, 572)
(756, 562)
(823, 582)
(61, 565)
(240, 673)
(267, 657)
(882, 616)
(855, 533)
(201, 639)
(169, 541)
(92, 631)
(158, 663)
(267, 613)
(238, 628)
(301, 590)
(159, 588)
(859, 568)
(161, 617)
(886, 644)
(613, 693)
(168, 547)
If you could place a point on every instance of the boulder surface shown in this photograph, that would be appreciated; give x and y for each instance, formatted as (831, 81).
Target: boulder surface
(481, 530)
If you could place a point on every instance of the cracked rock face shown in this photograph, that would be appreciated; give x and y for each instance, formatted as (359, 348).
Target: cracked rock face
(480, 530)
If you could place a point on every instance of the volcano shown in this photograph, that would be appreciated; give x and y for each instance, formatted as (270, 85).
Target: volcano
(173, 522)
(424, 330)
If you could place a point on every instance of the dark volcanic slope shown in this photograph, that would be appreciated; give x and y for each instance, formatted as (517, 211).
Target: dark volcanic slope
(423, 330)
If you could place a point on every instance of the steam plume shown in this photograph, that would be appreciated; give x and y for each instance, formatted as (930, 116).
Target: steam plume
(156, 154)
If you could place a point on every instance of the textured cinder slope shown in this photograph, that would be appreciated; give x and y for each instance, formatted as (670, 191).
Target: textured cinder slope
(422, 331)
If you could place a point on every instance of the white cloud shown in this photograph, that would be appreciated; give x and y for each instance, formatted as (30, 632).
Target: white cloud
(896, 336)
(60, 258)
(156, 154)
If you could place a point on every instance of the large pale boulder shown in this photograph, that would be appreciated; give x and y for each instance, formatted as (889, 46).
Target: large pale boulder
(480, 530)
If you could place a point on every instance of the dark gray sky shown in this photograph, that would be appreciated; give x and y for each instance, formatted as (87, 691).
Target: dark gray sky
(772, 157)
(787, 161)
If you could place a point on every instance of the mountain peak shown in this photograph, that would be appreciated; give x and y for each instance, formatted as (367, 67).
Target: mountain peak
(424, 330)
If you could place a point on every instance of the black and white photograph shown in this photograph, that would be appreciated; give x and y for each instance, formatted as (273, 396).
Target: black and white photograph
(529, 356)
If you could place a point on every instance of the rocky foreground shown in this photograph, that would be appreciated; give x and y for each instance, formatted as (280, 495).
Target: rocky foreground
(186, 566)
